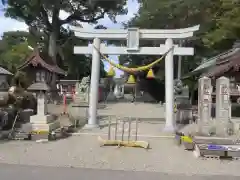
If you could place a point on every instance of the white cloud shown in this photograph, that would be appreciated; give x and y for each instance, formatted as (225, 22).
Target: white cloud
(8, 24)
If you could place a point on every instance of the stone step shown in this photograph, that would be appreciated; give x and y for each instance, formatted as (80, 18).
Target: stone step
(214, 140)
(226, 151)
(46, 127)
(21, 136)
(40, 119)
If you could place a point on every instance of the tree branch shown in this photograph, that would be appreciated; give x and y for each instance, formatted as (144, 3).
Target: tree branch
(45, 17)
(77, 16)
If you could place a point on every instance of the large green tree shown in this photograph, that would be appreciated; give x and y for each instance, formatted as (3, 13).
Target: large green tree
(44, 15)
(219, 20)
(227, 19)
(219, 27)
(171, 14)
(14, 49)
(77, 66)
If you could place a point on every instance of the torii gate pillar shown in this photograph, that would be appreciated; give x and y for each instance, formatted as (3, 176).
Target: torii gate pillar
(132, 35)
(169, 93)
(94, 85)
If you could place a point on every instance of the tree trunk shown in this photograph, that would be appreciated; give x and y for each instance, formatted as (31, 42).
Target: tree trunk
(54, 34)
(52, 46)
(52, 52)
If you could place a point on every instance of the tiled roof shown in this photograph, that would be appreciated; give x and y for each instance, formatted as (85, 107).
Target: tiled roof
(39, 86)
(4, 71)
(224, 65)
(212, 61)
(37, 58)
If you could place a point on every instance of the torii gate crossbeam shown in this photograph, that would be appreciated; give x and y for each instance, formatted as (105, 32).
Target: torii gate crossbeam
(132, 36)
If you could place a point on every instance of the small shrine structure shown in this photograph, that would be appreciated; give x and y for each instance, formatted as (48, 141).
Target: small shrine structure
(3, 78)
(39, 67)
(228, 65)
(224, 64)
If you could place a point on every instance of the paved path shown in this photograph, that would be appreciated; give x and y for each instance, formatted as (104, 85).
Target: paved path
(11, 172)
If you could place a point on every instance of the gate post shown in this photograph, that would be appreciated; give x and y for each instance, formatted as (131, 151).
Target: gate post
(94, 85)
(170, 125)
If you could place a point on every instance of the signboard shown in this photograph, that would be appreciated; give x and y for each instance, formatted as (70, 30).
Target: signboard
(133, 39)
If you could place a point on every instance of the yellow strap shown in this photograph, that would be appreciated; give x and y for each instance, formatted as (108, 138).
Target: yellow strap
(131, 70)
(186, 139)
(175, 108)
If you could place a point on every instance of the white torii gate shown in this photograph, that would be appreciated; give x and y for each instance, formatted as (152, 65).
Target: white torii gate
(132, 36)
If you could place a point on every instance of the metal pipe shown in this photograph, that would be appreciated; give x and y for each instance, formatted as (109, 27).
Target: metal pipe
(129, 128)
(109, 127)
(116, 128)
(136, 133)
(123, 122)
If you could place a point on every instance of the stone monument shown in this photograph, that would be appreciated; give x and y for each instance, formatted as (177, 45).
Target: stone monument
(82, 91)
(204, 102)
(181, 92)
(183, 112)
(111, 94)
(119, 91)
(42, 121)
(224, 125)
(223, 104)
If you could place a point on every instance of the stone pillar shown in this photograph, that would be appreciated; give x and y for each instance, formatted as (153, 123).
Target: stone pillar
(223, 103)
(41, 104)
(77, 93)
(179, 64)
(94, 85)
(170, 124)
(204, 101)
(111, 97)
(119, 91)
(42, 121)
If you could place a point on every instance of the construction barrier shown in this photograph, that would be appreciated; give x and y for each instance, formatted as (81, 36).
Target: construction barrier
(123, 127)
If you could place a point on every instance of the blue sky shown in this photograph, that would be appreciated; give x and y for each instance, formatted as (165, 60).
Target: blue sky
(7, 24)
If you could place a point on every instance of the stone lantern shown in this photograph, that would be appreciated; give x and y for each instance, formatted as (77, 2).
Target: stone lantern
(42, 121)
(3, 79)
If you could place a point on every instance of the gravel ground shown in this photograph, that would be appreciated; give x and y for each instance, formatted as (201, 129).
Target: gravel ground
(38, 173)
(84, 152)
(150, 117)
(140, 110)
